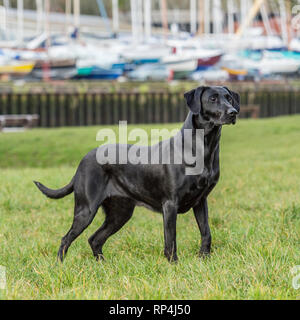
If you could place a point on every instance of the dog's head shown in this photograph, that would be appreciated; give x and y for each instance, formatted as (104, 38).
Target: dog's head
(215, 105)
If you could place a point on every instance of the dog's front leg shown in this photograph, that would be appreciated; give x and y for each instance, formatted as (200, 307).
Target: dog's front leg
(170, 215)
(201, 215)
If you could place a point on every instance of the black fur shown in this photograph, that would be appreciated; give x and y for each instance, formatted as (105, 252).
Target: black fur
(164, 188)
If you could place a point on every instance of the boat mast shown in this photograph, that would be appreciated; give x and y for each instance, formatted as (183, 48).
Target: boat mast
(3, 18)
(76, 13)
(140, 19)
(103, 14)
(288, 11)
(115, 15)
(68, 8)
(147, 19)
(283, 20)
(230, 12)
(46, 63)
(134, 30)
(207, 16)
(164, 18)
(265, 18)
(252, 13)
(243, 10)
(20, 15)
(200, 16)
(217, 13)
(47, 23)
(7, 11)
(193, 17)
(39, 9)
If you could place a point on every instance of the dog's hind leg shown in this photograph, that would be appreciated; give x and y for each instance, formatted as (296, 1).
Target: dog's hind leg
(89, 193)
(83, 216)
(118, 211)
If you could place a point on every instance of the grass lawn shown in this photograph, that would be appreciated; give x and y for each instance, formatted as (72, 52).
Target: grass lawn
(254, 217)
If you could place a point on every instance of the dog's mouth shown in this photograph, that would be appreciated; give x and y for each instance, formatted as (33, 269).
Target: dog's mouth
(230, 120)
(224, 120)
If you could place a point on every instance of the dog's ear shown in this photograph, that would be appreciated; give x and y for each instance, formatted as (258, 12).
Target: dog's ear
(236, 99)
(193, 99)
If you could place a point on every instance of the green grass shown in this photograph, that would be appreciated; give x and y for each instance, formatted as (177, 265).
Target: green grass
(254, 217)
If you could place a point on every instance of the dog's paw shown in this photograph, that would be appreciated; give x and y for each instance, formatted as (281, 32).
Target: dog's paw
(204, 254)
(172, 258)
(99, 257)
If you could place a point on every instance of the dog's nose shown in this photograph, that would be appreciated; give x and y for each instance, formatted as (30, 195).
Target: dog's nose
(232, 112)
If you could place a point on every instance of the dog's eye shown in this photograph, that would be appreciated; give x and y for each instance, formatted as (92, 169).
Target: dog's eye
(229, 99)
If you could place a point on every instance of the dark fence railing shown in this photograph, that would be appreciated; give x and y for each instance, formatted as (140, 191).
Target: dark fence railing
(69, 108)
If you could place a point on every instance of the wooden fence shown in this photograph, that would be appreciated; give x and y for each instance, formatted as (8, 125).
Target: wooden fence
(70, 108)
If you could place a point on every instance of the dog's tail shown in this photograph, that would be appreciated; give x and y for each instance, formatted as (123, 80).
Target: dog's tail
(56, 194)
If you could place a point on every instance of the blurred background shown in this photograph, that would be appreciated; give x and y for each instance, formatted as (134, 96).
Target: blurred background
(69, 68)
(72, 62)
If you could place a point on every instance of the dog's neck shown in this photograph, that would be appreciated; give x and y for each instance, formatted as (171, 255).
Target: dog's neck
(212, 133)
(198, 122)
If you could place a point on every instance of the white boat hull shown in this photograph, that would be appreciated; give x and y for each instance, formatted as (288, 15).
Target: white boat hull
(180, 64)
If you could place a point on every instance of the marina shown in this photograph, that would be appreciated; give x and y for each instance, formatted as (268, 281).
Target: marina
(46, 45)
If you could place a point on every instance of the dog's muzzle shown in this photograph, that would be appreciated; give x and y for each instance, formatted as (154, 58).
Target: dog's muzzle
(231, 115)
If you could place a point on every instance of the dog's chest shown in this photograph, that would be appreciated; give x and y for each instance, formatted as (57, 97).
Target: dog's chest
(194, 188)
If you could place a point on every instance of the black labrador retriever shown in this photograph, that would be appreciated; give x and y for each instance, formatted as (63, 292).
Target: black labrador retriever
(164, 188)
